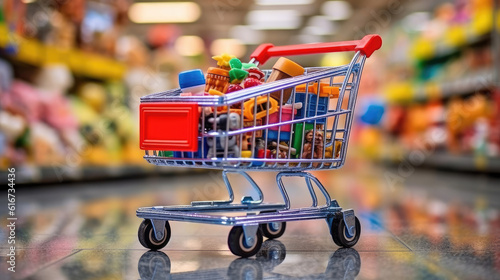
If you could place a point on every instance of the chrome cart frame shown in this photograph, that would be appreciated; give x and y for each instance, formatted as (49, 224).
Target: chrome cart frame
(330, 127)
(279, 212)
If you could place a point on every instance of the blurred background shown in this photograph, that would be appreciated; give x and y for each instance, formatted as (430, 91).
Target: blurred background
(72, 73)
(424, 156)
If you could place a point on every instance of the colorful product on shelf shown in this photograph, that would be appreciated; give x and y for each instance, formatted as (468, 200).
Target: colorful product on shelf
(373, 114)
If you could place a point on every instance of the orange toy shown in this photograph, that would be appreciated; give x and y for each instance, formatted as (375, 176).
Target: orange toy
(218, 79)
(282, 69)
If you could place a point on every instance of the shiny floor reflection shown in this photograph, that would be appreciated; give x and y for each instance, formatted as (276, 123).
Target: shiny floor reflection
(428, 225)
(345, 263)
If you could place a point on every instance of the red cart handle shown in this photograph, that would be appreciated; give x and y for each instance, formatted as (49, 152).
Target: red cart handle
(366, 46)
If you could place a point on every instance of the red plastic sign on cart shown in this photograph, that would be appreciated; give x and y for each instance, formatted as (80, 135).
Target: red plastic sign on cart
(169, 126)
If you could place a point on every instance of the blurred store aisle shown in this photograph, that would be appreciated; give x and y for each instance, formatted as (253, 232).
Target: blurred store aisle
(427, 224)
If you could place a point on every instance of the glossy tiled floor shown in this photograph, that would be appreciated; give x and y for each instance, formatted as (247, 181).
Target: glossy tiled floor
(415, 225)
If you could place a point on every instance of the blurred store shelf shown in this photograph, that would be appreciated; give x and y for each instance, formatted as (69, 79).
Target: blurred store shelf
(464, 163)
(452, 162)
(456, 38)
(407, 92)
(58, 174)
(444, 83)
(472, 83)
(81, 63)
(428, 50)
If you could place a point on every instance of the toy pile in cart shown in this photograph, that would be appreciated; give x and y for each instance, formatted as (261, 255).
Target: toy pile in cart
(239, 115)
(287, 123)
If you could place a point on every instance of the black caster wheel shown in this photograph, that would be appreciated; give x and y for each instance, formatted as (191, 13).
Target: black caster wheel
(238, 245)
(245, 269)
(154, 265)
(345, 263)
(147, 236)
(272, 254)
(341, 236)
(273, 230)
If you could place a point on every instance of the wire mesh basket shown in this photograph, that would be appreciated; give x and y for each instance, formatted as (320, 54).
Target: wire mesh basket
(298, 123)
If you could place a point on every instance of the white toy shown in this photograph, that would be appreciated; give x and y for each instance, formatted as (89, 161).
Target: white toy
(222, 124)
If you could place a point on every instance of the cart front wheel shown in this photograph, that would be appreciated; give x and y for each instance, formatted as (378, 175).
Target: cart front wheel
(273, 230)
(147, 236)
(239, 246)
(341, 235)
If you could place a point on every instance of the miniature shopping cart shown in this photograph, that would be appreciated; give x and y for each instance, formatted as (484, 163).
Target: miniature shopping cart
(290, 126)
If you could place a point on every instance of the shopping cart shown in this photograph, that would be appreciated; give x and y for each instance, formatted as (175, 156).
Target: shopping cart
(306, 128)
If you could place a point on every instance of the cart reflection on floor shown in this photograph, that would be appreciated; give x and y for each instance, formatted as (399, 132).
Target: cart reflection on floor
(345, 263)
